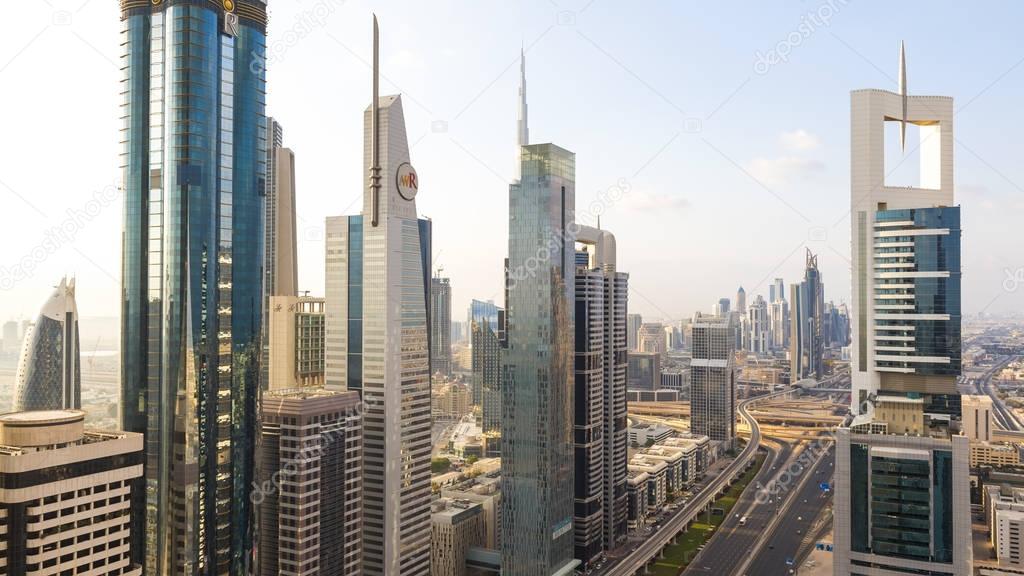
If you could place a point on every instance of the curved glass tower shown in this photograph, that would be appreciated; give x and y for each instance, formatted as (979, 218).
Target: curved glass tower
(49, 375)
(193, 155)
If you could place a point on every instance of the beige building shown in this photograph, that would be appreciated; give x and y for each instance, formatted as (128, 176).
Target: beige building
(451, 401)
(657, 479)
(977, 417)
(1004, 514)
(309, 496)
(995, 454)
(456, 526)
(66, 503)
(900, 415)
(485, 492)
(296, 335)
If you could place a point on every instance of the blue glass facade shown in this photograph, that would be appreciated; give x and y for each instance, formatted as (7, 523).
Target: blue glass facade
(194, 173)
(354, 351)
(935, 237)
(537, 383)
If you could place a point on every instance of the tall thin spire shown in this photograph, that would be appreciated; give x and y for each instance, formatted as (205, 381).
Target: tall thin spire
(522, 127)
(375, 128)
(903, 94)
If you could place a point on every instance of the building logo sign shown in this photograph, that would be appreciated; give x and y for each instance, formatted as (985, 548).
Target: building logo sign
(407, 181)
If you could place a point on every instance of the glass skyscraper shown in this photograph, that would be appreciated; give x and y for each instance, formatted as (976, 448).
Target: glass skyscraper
(49, 372)
(441, 325)
(902, 492)
(537, 389)
(807, 341)
(487, 338)
(193, 155)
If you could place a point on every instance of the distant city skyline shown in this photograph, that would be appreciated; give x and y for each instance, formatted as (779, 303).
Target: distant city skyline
(784, 125)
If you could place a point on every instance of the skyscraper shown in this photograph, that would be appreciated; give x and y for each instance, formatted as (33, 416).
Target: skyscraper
(193, 153)
(778, 319)
(757, 323)
(487, 341)
(600, 397)
(310, 512)
(441, 325)
(741, 300)
(721, 308)
(806, 342)
(902, 496)
(712, 383)
(651, 338)
(776, 291)
(280, 259)
(633, 323)
(377, 319)
(49, 371)
(537, 392)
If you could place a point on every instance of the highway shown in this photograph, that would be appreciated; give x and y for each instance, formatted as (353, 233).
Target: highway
(724, 553)
(647, 551)
(1004, 417)
(792, 535)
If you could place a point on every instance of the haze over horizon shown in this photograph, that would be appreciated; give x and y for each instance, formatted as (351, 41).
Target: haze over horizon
(731, 151)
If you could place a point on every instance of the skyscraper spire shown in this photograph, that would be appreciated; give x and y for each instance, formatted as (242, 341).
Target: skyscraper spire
(903, 94)
(375, 129)
(522, 128)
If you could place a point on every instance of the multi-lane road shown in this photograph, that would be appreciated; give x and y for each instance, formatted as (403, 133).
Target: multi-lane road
(769, 525)
(1004, 417)
(792, 536)
(636, 560)
(733, 540)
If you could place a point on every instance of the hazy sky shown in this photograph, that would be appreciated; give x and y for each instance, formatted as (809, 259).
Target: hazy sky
(726, 125)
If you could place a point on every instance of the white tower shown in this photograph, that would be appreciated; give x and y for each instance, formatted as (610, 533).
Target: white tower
(377, 286)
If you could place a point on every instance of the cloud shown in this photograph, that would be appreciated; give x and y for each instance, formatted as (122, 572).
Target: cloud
(784, 169)
(799, 140)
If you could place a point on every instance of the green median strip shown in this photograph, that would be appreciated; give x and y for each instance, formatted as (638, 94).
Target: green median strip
(679, 555)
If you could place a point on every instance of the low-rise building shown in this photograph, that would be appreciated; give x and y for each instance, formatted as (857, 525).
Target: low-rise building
(662, 395)
(456, 526)
(675, 465)
(995, 454)
(701, 447)
(644, 432)
(66, 502)
(636, 498)
(657, 479)
(1004, 513)
(676, 379)
(485, 491)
